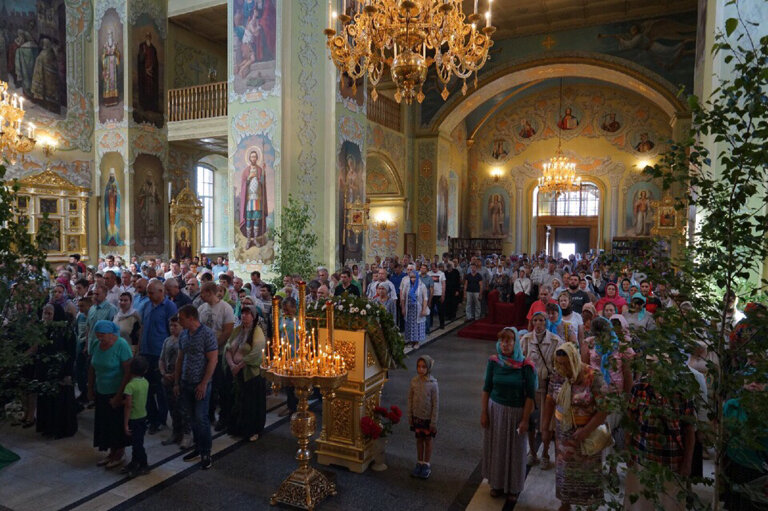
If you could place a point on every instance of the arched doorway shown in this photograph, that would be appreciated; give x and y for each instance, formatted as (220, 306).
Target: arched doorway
(568, 222)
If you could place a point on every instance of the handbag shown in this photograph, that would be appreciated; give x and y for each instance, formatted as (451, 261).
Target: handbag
(599, 439)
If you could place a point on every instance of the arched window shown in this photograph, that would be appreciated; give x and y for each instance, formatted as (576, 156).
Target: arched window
(205, 194)
(583, 202)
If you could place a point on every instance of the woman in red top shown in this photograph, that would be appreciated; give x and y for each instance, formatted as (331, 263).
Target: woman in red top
(612, 296)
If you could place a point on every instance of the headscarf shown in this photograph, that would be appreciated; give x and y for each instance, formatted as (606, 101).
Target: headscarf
(641, 314)
(589, 307)
(517, 360)
(564, 396)
(62, 302)
(624, 324)
(428, 361)
(103, 326)
(552, 327)
(120, 315)
(605, 354)
(620, 289)
(414, 289)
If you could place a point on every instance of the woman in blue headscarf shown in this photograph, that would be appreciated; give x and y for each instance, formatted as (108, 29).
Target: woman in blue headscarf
(566, 331)
(413, 299)
(108, 374)
(637, 317)
(508, 400)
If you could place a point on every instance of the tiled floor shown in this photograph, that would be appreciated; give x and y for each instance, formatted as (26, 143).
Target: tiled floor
(56, 474)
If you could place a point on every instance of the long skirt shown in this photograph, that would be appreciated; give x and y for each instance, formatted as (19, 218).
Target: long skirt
(414, 331)
(249, 407)
(579, 477)
(57, 413)
(503, 449)
(108, 428)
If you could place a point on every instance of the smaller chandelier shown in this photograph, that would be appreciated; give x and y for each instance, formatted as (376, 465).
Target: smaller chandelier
(559, 176)
(12, 140)
(409, 36)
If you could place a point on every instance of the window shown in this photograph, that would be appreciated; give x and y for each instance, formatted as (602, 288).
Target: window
(205, 194)
(583, 202)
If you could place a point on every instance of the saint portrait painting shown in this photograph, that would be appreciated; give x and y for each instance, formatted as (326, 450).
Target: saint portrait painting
(112, 212)
(253, 199)
(147, 72)
(111, 61)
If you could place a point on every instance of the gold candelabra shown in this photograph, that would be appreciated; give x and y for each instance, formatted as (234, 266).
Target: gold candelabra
(408, 36)
(12, 140)
(298, 361)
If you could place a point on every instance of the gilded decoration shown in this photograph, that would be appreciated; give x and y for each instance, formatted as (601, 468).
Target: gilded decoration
(347, 352)
(370, 360)
(372, 402)
(668, 220)
(186, 214)
(341, 411)
(48, 198)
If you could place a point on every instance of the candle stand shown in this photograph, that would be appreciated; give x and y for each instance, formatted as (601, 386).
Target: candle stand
(297, 361)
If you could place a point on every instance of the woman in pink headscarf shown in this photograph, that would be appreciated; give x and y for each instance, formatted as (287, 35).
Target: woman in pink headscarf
(612, 296)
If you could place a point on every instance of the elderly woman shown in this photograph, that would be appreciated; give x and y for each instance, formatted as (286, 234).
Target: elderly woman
(108, 374)
(573, 399)
(637, 317)
(414, 306)
(588, 313)
(243, 354)
(129, 321)
(508, 400)
(382, 298)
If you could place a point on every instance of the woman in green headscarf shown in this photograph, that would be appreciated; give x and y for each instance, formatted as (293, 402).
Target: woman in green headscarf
(573, 397)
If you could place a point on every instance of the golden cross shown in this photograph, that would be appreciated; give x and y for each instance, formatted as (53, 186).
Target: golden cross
(548, 42)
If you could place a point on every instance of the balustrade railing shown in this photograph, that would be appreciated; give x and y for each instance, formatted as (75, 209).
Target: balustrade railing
(197, 102)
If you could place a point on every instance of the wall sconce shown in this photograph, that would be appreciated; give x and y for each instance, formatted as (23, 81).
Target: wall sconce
(496, 174)
(641, 164)
(383, 221)
(48, 144)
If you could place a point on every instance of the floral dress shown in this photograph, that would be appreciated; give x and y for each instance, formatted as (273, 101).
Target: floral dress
(578, 477)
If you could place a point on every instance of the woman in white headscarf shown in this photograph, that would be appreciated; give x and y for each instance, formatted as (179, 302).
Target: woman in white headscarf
(129, 321)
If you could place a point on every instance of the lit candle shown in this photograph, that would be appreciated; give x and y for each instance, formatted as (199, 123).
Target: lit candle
(424, 50)
(487, 19)
(475, 6)
(344, 6)
(330, 15)
(333, 17)
(21, 103)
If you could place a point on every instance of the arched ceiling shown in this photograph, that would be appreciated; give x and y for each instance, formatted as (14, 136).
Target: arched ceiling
(515, 19)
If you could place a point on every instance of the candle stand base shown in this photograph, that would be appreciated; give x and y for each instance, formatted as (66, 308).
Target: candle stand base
(304, 489)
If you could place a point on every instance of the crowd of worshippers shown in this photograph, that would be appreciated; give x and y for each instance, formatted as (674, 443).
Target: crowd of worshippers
(152, 339)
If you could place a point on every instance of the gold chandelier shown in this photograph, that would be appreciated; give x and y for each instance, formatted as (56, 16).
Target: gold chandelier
(559, 175)
(12, 140)
(409, 36)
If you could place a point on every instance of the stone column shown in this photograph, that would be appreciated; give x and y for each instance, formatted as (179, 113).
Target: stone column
(519, 213)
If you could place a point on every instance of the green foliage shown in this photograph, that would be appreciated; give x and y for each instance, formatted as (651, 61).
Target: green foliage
(295, 242)
(357, 313)
(21, 295)
(720, 171)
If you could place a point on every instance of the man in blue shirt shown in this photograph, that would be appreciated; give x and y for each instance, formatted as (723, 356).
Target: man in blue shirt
(140, 298)
(397, 278)
(219, 267)
(101, 309)
(154, 329)
(196, 362)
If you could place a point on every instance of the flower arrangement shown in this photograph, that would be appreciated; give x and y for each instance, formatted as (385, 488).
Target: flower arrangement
(380, 424)
(356, 313)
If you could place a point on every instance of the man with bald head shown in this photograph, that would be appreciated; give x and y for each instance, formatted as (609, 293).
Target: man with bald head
(174, 294)
(193, 291)
(140, 297)
(155, 317)
(323, 293)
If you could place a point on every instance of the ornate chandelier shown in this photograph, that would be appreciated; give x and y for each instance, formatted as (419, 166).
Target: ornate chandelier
(12, 140)
(559, 175)
(409, 36)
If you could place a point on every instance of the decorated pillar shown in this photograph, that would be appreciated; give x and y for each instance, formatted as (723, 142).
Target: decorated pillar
(519, 213)
(255, 139)
(424, 206)
(131, 132)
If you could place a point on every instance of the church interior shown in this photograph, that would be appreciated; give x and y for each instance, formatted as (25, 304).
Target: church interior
(172, 129)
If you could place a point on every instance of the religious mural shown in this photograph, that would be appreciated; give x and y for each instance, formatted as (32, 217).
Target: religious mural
(111, 64)
(351, 189)
(665, 46)
(149, 55)
(182, 246)
(496, 211)
(32, 53)
(148, 204)
(254, 196)
(254, 52)
(112, 199)
(442, 209)
(639, 208)
(500, 149)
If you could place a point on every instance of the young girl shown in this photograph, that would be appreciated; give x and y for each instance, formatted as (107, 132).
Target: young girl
(423, 398)
(135, 416)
